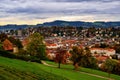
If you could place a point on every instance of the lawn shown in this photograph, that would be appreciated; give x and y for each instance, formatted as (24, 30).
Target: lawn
(12, 69)
(87, 70)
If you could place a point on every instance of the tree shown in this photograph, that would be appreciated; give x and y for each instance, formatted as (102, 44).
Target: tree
(77, 55)
(15, 42)
(104, 45)
(36, 46)
(117, 68)
(109, 65)
(88, 60)
(83, 57)
(3, 36)
(1, 48)
(117, 48)
(61, 56)
(18, 43)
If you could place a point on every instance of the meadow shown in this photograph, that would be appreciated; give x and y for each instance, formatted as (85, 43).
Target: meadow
(12, 69)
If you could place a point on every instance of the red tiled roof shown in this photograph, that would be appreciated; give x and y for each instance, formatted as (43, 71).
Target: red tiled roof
(108, 49)
(101, 58)
(25, 42)
(7, 45)
(80, 46)
(70, 41)
(51, 44)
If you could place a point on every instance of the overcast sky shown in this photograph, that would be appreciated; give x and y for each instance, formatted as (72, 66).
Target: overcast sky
(39, 11)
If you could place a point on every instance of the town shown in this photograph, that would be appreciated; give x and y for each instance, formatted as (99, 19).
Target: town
(100, 40)
(103, 43)
(59, 39)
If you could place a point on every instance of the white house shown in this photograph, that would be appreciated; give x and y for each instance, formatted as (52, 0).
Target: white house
(104, 51)
(49, 46)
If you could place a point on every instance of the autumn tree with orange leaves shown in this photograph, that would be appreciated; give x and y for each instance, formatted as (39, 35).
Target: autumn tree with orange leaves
(61, 56)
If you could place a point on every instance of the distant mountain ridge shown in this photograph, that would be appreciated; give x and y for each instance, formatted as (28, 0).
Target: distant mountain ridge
(82, 24)
(13, 27)
(64, 23)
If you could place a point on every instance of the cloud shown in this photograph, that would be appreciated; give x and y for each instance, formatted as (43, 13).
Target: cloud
(66, 0)
(53, 9)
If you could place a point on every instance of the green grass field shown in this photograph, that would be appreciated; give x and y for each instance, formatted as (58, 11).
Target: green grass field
(12, 69)
(87, 70)
(20, 70)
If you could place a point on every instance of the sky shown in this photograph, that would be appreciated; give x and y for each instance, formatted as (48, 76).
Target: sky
(40, 11)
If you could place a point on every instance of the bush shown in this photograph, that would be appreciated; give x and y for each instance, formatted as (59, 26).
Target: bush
(35, 59)
(116, 69)
(91, 62)
(22, 52)
(7, 54)
(20, 56)
(23, 57)
(111, 66)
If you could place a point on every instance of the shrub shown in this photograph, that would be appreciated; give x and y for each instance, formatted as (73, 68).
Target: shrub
(35, 59)
(21, 56)
(7, 54)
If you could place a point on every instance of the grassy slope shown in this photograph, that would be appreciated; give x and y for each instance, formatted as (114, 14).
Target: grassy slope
(16, 69)
(20, 70)
(96, 72)
(71, 75)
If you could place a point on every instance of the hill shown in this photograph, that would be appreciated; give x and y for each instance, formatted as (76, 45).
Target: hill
(81, 24)
(20, 70)
(63, 23)
(11, 69)
(13, 27)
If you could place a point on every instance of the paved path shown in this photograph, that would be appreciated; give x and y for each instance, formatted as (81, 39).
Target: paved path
(43, 62)
(96, 75)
